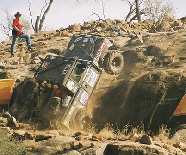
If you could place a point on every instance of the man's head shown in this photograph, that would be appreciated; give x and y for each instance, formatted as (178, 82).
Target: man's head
(17, 15)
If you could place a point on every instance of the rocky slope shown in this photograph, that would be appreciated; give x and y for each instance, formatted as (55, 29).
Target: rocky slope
(154, 69)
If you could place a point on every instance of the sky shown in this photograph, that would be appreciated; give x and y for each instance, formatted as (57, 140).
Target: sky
(68, 12)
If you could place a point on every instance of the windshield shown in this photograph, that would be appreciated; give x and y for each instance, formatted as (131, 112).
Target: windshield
(78, 71)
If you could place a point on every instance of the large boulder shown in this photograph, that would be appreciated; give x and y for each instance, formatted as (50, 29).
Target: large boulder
(145, 139)
(12, 122)
(75, 27)
(24, 100)
(41, 137)
(22, 135)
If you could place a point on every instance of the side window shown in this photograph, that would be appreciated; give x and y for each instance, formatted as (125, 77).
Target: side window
(78, 71)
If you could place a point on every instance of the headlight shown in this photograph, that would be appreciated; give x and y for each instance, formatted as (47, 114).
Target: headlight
(37, 84)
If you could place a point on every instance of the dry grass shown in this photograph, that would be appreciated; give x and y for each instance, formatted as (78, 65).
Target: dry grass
(10, 146)
(163, 135)
(107, 132)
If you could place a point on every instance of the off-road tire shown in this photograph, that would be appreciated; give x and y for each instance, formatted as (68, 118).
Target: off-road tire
(83, 120)
(113, 63)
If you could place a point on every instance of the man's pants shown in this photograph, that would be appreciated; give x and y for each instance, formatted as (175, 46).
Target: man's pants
(14, 39)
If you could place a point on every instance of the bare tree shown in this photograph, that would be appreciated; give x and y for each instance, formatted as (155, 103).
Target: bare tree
(131, 10)
(41, 18)
(93, 13)
(134, 12)
(156, 10)
(6, 25)
(103, 15)
(138, 14)
(103, 8)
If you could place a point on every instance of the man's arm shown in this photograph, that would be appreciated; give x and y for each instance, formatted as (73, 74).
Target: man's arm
(15, 23)
(15, 27)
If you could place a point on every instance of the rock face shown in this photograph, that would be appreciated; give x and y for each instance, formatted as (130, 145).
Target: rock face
(130, 148)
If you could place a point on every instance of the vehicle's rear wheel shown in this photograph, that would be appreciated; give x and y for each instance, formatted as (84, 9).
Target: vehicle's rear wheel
(114, 63)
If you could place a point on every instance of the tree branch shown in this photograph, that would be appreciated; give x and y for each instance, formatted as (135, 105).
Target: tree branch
(43, 7)
(44, 15)
(103, 9)
(96, 15)
(31, 20)
(37, 23)
(138, 15)
(131, 11)
(135, 16)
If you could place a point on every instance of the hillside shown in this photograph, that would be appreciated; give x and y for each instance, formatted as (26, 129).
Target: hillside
(153, 70)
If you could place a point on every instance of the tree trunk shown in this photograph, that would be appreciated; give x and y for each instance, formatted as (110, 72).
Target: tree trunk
(44, 15)
(138, 11)
(135, 16)
(36, 24)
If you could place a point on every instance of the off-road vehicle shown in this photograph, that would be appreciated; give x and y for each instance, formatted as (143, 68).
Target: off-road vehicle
(66, 82)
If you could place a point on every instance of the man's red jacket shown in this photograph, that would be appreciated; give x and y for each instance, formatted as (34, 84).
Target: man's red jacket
(18, 25)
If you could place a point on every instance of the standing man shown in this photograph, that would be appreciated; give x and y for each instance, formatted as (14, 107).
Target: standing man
(18, 33)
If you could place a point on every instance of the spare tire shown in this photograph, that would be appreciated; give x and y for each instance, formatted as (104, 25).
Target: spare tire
(113, 63)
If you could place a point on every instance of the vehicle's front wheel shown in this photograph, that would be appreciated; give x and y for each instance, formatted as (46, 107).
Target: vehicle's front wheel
(113, 63)
(83, 120)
